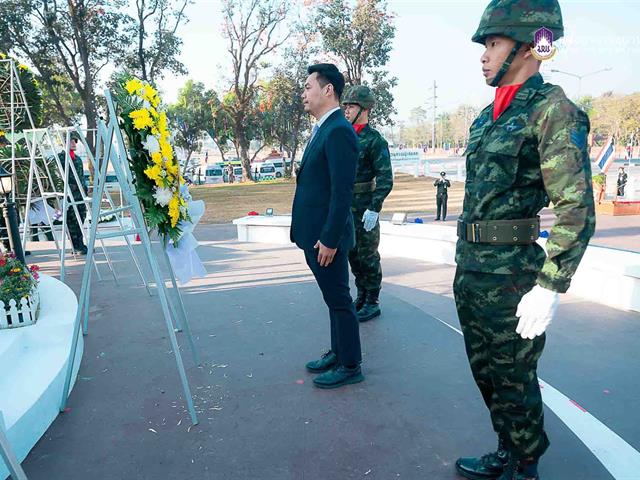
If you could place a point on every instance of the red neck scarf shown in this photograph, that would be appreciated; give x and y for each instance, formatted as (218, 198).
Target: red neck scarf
(504, 96)
(358, 128)
(72, 154)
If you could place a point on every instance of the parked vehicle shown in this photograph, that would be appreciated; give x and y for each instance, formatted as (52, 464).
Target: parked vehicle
(213, 174)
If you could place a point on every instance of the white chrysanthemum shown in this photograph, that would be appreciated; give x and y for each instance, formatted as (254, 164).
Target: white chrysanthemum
(163, 196)
(151, 144)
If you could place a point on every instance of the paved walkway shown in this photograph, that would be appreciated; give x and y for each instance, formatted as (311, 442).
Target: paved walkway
(257, 318)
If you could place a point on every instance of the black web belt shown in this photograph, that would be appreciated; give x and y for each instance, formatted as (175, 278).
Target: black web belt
(500, 232)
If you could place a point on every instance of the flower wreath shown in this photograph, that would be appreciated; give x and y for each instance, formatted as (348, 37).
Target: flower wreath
(156, 170)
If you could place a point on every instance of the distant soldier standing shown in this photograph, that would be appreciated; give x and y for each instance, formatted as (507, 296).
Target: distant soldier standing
(374, 181)
(526, 149)
(77, 191)
(622, 182)
(442, 195)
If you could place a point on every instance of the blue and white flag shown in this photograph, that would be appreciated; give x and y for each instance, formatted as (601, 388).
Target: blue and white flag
(606, 157)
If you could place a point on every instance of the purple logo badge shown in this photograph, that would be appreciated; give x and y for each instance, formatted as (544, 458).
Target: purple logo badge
(543, 48)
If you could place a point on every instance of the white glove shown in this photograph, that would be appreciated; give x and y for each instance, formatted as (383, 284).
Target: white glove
(369, 219)
(536, 310)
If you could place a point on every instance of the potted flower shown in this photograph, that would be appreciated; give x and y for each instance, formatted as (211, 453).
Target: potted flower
(19, 299)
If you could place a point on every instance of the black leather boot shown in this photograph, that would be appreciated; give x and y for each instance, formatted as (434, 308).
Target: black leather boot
(359, 301)
(520, 469)
(487, 467)
(371, 307)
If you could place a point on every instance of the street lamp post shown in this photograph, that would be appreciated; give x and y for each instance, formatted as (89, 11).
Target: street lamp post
(580, 77)
(10, 215)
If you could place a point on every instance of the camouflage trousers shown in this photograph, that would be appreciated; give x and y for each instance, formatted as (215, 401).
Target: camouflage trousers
(75, 229)
(503, 364)
(364, 257)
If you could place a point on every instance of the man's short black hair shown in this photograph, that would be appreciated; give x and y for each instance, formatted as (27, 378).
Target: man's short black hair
(328, 73)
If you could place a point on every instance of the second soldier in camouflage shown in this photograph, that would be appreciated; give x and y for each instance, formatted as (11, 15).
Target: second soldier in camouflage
(374, 181)
(525, 150)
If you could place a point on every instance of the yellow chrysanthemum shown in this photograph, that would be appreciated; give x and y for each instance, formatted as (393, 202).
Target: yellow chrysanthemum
(23, 67)
(174, 210)
(2, 56)
(166, 150)
(163, 123)
(156, 158)
(150, 94)
(133, 86)
(172, 168)
(141, 119)
(154, 172)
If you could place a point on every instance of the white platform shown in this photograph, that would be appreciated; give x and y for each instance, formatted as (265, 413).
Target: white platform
(33, 363)
(605, 275)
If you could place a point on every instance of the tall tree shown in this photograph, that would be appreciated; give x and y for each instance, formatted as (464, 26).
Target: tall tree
(253, 30)
(73, 38)
(361, 36)
(60, 101)
(220, 128)
(290, 123)
(190, 117)
(157, 44)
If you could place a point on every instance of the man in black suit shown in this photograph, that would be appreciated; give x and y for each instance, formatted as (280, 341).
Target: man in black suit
(322, 225)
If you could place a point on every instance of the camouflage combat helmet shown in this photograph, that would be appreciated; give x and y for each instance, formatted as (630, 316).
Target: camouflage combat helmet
(360, 95)
(519, 20)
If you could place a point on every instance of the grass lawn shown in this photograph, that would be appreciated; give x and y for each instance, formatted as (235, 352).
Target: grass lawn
(226, 202)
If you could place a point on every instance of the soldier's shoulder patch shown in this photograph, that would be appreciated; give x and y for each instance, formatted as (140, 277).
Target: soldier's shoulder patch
(578, 137)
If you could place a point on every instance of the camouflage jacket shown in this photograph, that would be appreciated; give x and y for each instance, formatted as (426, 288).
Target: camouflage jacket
(79, 167)
(374, 162)
(535, 152)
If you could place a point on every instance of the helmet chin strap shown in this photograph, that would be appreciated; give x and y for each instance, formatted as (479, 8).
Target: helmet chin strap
(505, 66)
(358, 115)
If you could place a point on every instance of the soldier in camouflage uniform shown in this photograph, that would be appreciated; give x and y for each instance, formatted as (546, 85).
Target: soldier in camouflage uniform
(526, 149)
(374, 181)
(75, 230)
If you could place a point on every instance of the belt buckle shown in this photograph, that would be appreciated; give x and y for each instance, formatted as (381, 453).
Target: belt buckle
(475, 232)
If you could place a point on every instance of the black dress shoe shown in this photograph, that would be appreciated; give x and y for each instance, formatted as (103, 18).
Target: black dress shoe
(338, 377)
(487, 467)
(326, 362)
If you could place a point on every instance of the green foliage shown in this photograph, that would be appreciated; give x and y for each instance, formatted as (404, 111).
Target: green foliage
(75, 40)
(157, 46)
(16, 280)
(32, 93)
(361, 36)
(61, 103)
(221, 127)
(617, 115)
(599, 179)
(190, 116)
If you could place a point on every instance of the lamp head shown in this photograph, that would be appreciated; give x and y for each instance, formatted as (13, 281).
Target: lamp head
(6, 182)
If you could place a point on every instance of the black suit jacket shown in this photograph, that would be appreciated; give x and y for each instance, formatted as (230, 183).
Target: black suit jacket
(324, 191)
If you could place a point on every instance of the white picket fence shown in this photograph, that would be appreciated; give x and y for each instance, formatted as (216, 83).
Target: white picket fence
(22, 313)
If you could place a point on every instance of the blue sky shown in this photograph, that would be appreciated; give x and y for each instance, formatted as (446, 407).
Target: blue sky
(433, 43)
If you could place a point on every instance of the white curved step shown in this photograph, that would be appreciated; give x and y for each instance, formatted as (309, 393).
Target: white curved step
(34, 362)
